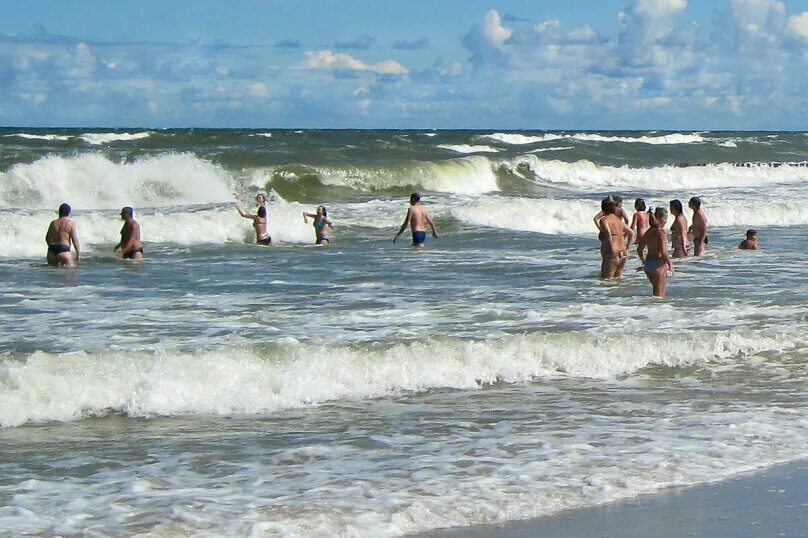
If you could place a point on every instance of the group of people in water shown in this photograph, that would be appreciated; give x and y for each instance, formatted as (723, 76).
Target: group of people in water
(647, 228)
(62, 235)
(62, 238)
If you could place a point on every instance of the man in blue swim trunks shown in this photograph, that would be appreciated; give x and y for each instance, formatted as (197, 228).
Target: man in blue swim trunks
(130, 245)
(417, 218)
(61, 234)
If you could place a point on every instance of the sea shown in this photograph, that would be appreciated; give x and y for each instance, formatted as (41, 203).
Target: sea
(367, 388)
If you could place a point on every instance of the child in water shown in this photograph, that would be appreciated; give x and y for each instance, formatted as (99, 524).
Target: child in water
(751, 241)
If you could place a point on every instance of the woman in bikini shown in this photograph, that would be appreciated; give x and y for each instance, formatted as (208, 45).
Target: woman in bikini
(320, 222)
(656, 262)
(259, 223)
(678, 230)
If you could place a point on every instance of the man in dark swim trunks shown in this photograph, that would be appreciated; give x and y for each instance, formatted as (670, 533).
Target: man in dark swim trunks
(417, 217)
(61, 234)
(130, 245)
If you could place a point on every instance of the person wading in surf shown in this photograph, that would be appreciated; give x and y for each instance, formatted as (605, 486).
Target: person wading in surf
(417, 218)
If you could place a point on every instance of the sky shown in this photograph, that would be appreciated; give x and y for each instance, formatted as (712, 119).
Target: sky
(406, 64)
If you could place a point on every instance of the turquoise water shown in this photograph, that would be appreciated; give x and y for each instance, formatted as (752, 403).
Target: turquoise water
(365, 388)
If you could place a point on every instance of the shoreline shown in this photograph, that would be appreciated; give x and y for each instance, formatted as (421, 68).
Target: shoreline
(769, 502)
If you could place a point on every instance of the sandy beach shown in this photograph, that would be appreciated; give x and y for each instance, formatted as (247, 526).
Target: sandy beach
(773, 502)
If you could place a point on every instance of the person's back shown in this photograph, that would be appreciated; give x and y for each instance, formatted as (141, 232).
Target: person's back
(61, 234)
(639, 222)
(751, 241)
(417, 218)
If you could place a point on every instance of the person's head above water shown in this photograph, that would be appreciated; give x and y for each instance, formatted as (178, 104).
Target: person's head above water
(321, 210)
(262, 211)
(751, 233)
(639, 204)
(64, 210)
(261, 198)
(127, 212)
(608, 205)
(415, 198)
(694, 203)
(676, 207)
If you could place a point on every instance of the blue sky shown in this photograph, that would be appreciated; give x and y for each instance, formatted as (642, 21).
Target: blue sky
(541, 64)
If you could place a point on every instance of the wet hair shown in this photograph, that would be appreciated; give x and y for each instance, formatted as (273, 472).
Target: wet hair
(639, 204)
(415, 197)
(695, 202)
(656, 216)
(262, 211)
(608, 205)
(127, 211)
(64, 210)
(325, 211)
(676, 207)
(751, 232)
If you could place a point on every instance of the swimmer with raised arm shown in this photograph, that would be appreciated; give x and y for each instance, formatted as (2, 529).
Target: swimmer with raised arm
(639, 221)
(615, 236)
(656, 263)
(678, 230)
(417, 218)
(699, 227)
(61, 233)
(130, 245)
(320, 222)
(619, 211)
(259, 223)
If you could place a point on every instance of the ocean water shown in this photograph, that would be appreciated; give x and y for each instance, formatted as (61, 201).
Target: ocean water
(367, 389)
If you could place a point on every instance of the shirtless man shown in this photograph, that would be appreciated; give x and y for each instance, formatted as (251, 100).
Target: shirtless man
(613, 240)
(751, 241)
(417, 216)
(60, 235)
(130, 245)
(699, 227)
(619, 211)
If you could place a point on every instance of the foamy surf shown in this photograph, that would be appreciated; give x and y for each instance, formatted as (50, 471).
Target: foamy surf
(45, 387)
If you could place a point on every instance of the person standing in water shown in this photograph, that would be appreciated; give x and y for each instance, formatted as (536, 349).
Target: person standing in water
(417, 218)
(320, 222)
(678, 230)
(656, 263)
(259, 223)
(699, 227)
(751, 241)
(614, 237)
(61, 233)
(130, 245)
(639, 221)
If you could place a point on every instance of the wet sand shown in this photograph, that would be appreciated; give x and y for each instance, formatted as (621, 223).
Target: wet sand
(771, 503)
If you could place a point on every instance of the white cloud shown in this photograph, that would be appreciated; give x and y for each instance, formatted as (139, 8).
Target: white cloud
(494, 31)
(797, 25)
(325, 59)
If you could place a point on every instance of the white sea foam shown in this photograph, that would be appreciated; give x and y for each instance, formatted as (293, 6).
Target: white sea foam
(543, 215)
(97, 139)
(67, 387)
(92, 180)
(465, 148)
(40, 137)
(673, 138)
(587, 175)
(265, 135)
(520, 139)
